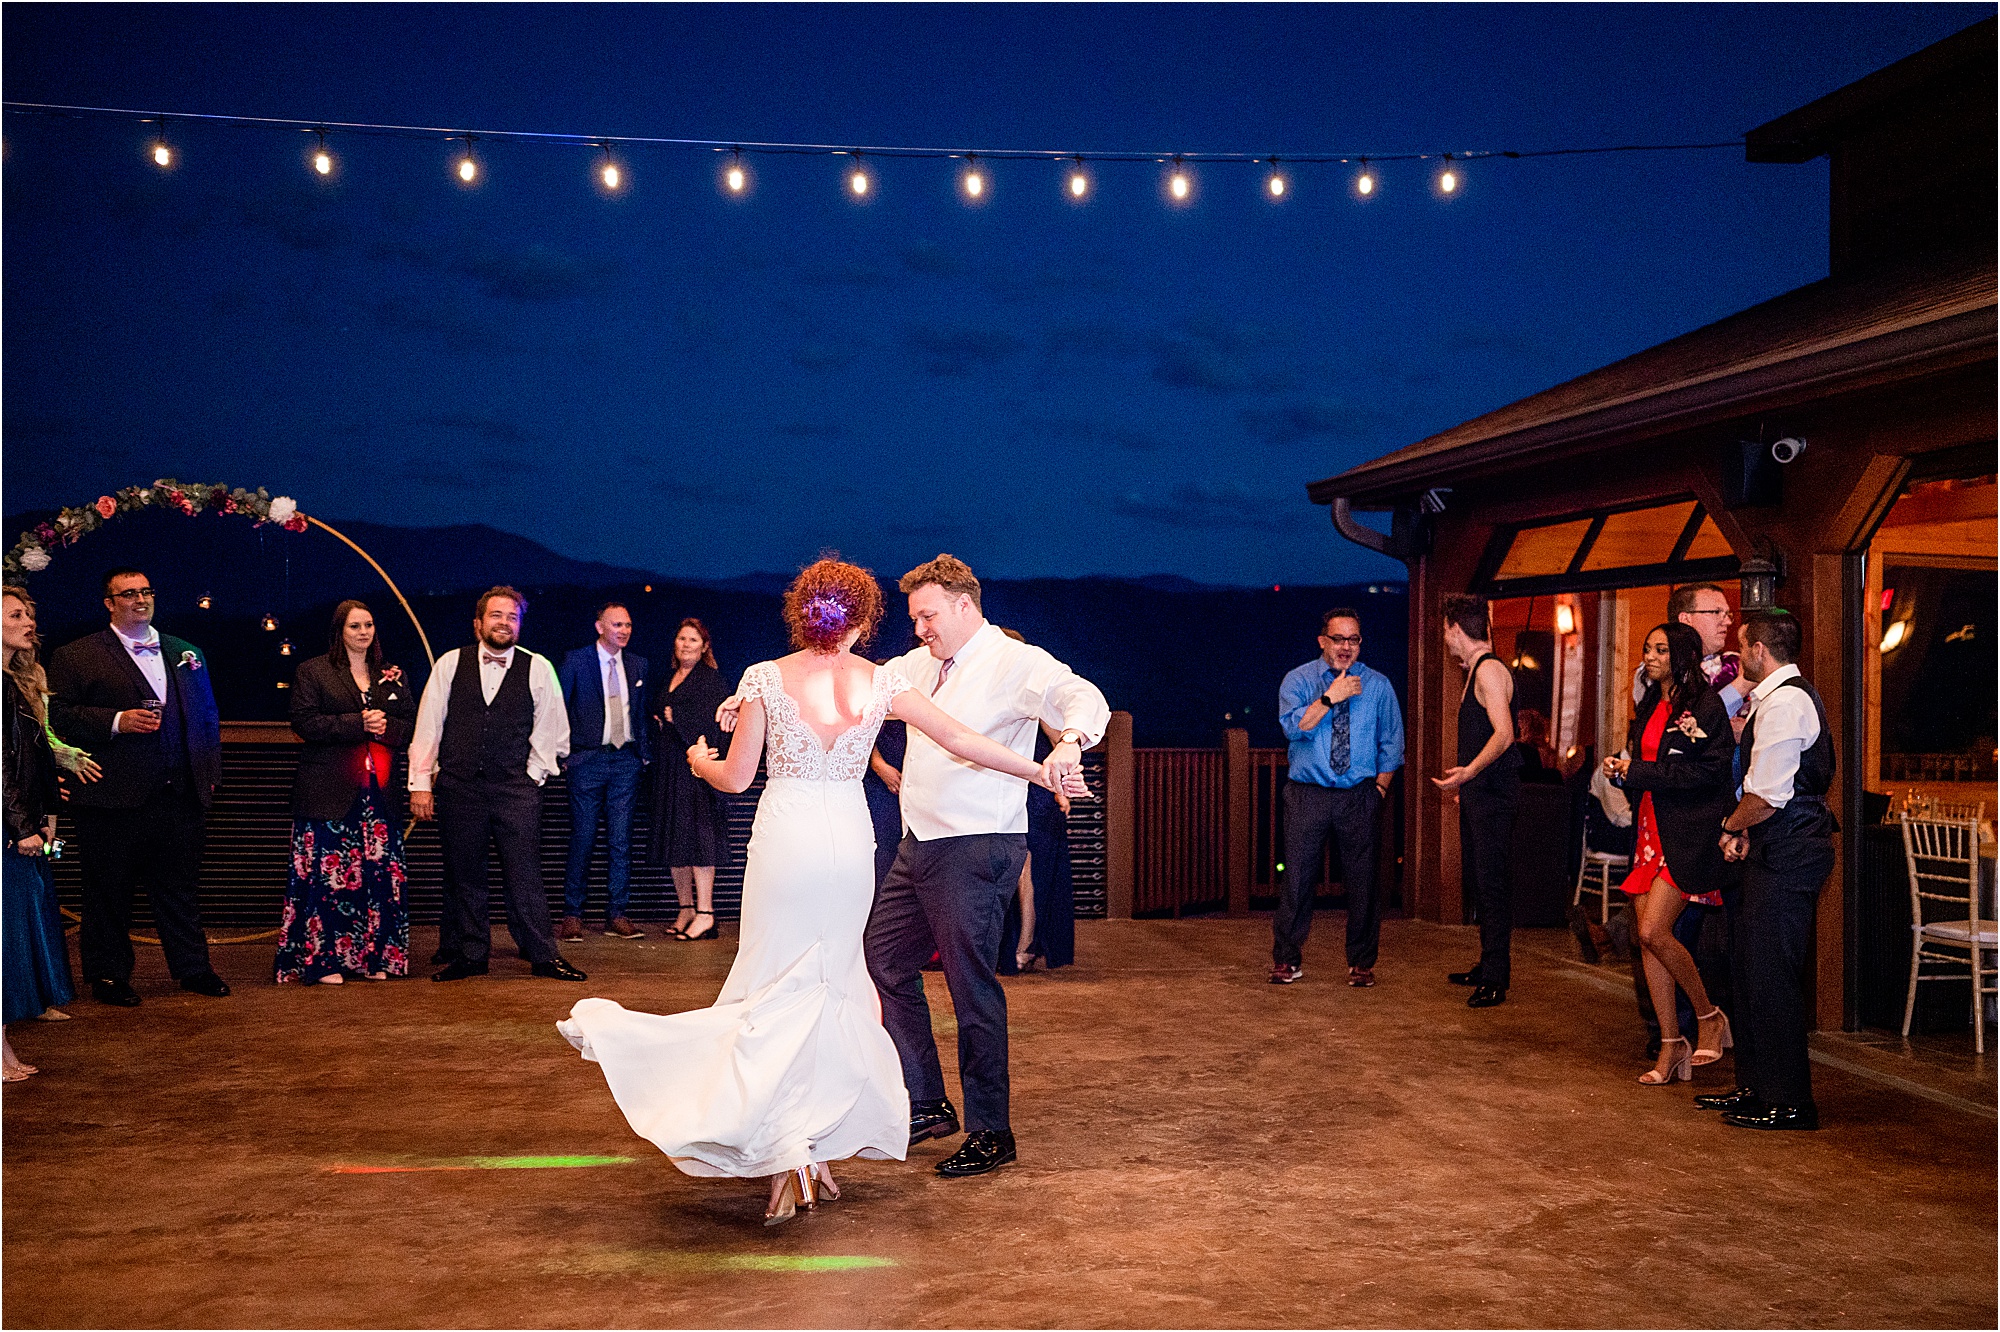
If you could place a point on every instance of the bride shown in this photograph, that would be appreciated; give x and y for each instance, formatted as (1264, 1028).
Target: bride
(790, 1069)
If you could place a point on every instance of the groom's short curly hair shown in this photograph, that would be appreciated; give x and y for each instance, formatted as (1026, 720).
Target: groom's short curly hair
(829, 598)
(949, 572)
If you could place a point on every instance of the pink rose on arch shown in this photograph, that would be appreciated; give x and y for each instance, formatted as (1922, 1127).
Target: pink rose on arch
(296, 523)
(106, 506)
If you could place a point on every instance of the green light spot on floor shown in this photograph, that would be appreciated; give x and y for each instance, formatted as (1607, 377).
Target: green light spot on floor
(752, 1262)
(545, 1162)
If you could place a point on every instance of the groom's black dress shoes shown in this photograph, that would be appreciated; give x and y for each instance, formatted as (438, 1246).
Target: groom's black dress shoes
(932, 1119)
(115, 992)
(558, 970)
(208, 983)
(1736, 1100)
(458, 969)
(1463, 977)
(1486, 996)
(983, 1150)
(1774, 1117)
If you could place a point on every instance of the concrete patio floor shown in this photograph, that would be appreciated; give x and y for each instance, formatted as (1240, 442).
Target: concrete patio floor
(1198, 1149)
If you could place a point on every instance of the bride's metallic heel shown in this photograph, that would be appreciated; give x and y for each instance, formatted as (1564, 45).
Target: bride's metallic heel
(802, 1180)
(791, 1196)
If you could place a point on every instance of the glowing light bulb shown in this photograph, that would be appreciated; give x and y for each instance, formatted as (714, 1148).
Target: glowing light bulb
(1448, 181)
(468, 170)
(1277, 186)
(857, 181)
(1364, 184)
(975, 183)
(1079, 184)
(204, 601)
(735, 179)
(163, 155)
(610, 176)
(1178, 185)
(1565, 618)
(323, 162)
(285, 648)
(270, 623)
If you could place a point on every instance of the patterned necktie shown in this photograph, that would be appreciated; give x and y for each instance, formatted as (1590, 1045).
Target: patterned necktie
(1339, 757)
(943, 671)
(614, 707)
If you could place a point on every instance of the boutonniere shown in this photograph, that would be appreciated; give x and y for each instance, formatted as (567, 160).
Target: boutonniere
(190, 662)
(1687, 726)
(392, 675)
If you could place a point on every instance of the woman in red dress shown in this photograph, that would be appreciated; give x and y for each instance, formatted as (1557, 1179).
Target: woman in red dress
(1680, 745)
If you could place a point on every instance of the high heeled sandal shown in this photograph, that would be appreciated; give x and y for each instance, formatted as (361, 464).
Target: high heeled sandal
(678, 930)
(691, 934)
(823, 1184)
(1680, 1070)
(1703, 1054)
(796, 1193)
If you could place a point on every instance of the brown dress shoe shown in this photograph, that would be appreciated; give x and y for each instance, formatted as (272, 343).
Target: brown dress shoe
(621, 928)
(569, 928)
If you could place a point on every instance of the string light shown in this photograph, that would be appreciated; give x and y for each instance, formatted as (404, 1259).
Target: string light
(974, 182)
(270, 623)
(285, 648)
(1079, 180)
(204, 601)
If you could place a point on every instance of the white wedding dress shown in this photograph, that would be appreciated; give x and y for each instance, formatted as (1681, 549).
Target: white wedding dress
(791, 1065)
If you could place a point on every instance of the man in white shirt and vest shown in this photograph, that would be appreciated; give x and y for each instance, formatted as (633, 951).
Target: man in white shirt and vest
(491, 729)
(964, 844)
(1781, 831)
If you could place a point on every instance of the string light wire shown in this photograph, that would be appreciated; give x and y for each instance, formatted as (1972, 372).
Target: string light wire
(739, 147)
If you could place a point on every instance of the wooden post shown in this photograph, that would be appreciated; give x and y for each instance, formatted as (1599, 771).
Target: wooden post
(1120, 823)
(1237, 842)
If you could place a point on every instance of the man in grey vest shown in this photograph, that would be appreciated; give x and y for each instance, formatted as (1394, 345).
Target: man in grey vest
(490, 731)
(1781, 831)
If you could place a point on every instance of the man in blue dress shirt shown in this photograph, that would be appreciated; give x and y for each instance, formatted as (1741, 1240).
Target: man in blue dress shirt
(1346, 733)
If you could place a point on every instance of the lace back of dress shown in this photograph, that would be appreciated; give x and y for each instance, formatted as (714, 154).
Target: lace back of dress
(790, 747)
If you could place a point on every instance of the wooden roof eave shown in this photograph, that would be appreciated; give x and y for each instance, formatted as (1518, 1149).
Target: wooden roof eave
(1909, 352)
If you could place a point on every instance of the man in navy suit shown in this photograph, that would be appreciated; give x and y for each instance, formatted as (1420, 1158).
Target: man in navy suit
(141, 702)
(604, 687)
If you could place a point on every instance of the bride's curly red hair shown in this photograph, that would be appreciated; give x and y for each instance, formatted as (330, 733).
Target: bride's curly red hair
(829, 598)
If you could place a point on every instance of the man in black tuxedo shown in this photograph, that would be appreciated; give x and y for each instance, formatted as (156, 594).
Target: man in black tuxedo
(490, 730)
(140, 701)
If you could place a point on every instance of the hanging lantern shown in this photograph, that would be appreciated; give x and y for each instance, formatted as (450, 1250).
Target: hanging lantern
(270, 623)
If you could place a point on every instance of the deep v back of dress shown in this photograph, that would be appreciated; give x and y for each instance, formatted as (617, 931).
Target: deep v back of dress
(791, 1064)
(793, 749)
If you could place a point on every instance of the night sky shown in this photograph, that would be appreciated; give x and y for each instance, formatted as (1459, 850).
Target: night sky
(702, 386)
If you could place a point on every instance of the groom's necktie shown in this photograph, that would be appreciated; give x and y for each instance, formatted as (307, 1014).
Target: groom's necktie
(943, 671)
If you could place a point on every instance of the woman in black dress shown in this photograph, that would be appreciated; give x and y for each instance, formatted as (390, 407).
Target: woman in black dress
(690, 822)
(345, 912)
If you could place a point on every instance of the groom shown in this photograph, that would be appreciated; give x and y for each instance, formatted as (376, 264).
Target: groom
(962, 852)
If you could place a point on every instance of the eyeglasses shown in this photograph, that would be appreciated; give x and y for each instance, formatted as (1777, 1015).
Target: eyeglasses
(1344, 640)
(135, 594)
(1720, 610)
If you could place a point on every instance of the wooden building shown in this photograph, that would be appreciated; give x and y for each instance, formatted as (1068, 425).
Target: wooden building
(1575, 510)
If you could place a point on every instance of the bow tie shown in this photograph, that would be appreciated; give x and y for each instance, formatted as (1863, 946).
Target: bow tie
(492, 660)
(139, 649)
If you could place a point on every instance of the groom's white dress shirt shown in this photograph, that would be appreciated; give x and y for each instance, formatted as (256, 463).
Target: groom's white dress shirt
(1004, 690)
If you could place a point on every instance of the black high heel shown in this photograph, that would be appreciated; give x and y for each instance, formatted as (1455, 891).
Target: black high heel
(691, 934)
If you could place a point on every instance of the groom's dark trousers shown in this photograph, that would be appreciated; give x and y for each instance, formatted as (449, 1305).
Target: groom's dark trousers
(948, 896)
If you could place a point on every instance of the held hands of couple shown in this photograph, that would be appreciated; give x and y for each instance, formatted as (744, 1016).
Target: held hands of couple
(1735, 846)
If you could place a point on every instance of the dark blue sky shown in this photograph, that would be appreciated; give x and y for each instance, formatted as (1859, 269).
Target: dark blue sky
(703, 386)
